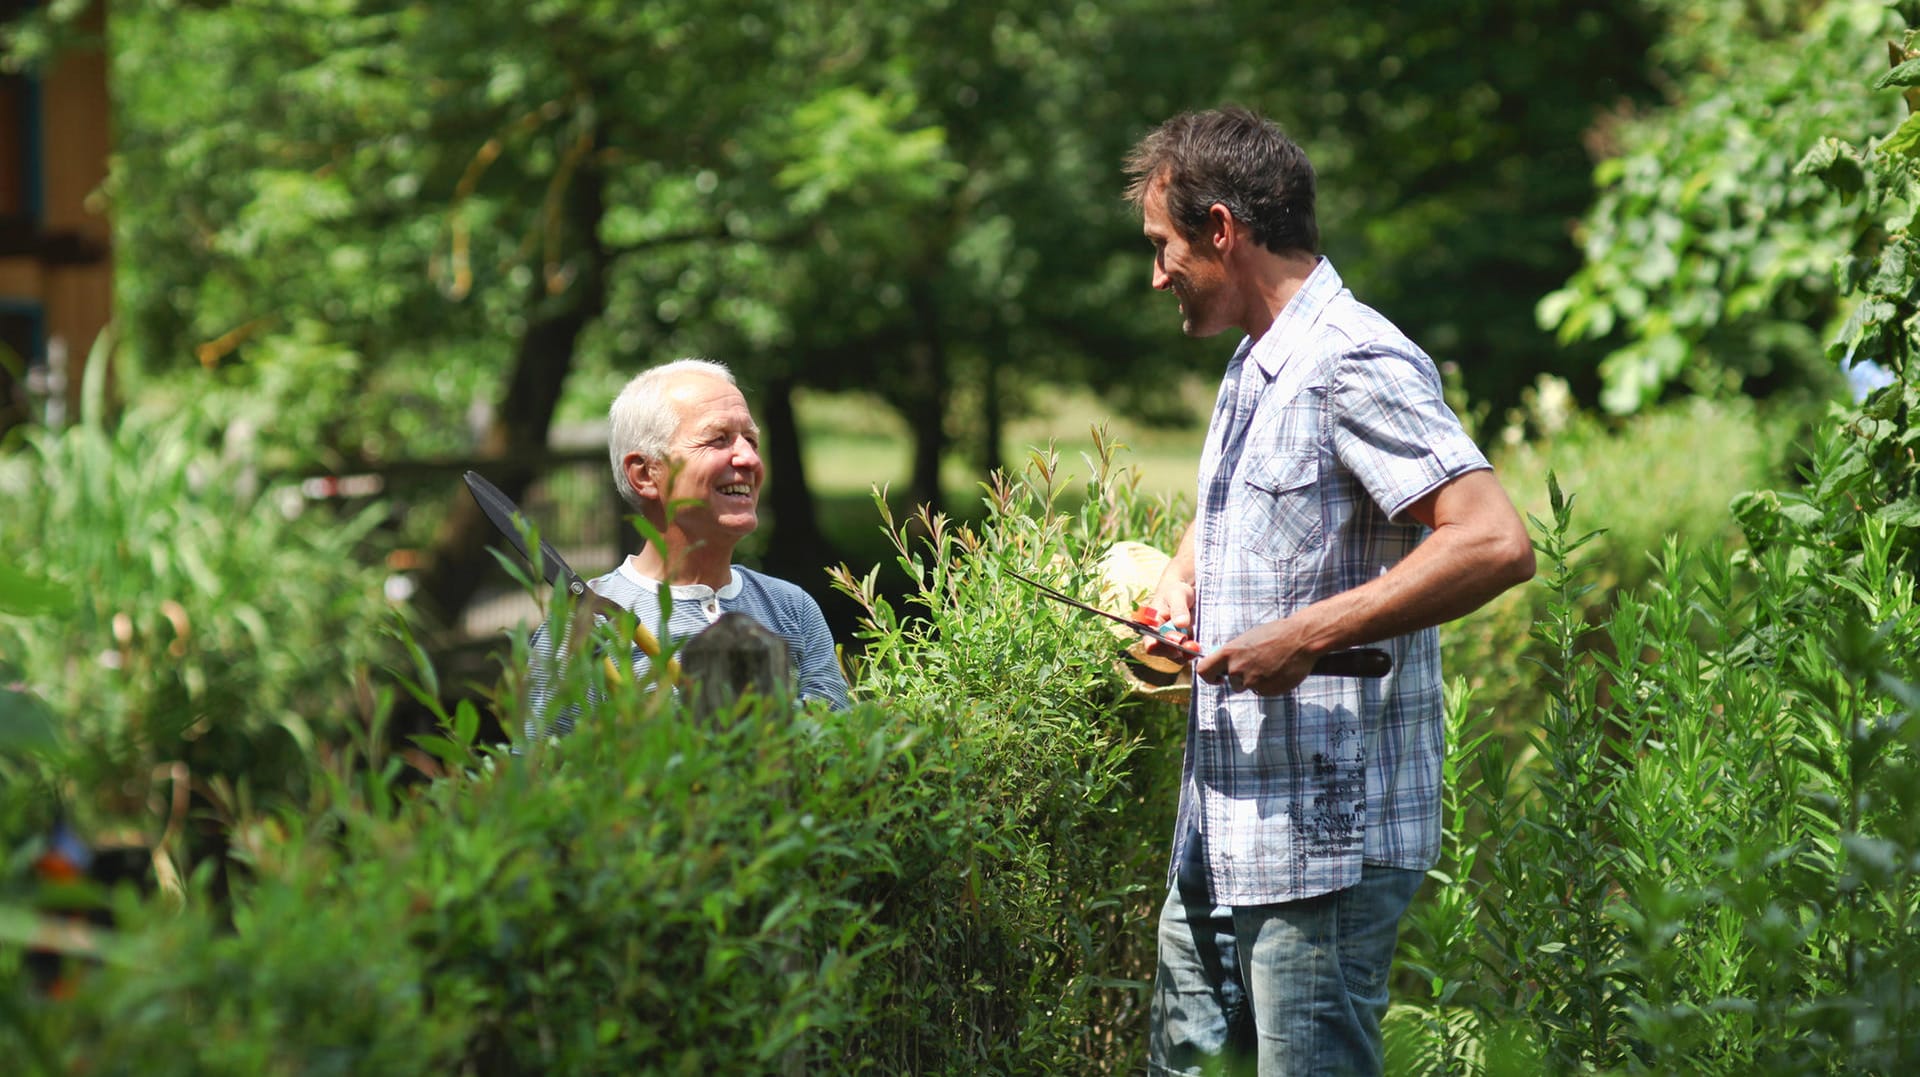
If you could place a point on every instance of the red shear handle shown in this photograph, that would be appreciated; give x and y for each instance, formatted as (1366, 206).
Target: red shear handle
(1367, 662)
(1157, 621)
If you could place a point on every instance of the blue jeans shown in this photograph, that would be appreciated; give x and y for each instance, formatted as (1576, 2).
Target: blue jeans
(1297, 988)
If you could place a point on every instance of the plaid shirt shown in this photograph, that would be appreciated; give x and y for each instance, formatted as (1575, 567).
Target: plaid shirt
(1327, 430)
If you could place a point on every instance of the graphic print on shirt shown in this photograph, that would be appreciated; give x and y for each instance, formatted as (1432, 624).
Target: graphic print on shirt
(1337, 821)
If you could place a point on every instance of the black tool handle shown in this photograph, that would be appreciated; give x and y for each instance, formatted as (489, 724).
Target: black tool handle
(1359, 662)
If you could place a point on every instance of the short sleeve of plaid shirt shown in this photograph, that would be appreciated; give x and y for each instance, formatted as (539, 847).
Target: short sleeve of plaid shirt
(1328, 430)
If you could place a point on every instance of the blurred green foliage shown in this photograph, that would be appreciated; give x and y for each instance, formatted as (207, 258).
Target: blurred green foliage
(916, 200)
(185, 622)
(1709, 256)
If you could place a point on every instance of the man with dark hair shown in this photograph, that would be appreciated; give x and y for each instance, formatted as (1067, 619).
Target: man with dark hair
(685, 453)
(1340, 503)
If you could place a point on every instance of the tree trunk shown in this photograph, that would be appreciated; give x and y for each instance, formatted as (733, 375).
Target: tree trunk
(458, 558)
(13, 401)
(993, 418)
(926, 401)
(796, 549)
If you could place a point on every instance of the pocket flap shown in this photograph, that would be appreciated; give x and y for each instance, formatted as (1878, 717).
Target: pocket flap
(1279, 474)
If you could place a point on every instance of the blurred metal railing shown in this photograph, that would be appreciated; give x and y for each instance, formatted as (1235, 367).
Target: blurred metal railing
(571, 502)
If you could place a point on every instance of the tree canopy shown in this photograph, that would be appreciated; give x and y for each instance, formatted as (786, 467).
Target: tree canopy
(376, 212)
(1710, 254)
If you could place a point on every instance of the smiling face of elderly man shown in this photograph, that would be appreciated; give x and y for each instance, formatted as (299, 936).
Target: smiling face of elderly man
(699, 484)
(685, 453)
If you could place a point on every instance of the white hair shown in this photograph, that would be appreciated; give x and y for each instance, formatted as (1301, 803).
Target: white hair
(644, 420)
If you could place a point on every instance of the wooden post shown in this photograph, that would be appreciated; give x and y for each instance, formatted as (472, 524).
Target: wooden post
(737, 656)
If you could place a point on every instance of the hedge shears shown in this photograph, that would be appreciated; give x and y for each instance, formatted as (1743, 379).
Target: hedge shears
(1156, 626)
(506, 518)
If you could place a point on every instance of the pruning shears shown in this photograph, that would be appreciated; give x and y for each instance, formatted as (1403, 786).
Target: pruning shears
(506, 518)
(1156, 626)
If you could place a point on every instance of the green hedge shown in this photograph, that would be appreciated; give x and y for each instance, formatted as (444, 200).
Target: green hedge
(952, 877)
(1694, 856)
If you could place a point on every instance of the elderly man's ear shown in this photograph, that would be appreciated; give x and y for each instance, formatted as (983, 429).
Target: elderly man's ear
(644, 478)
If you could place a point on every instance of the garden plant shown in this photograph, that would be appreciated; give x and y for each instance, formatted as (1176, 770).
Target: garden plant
(1683, 786)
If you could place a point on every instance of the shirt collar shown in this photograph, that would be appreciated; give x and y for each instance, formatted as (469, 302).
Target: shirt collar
(1272, 350)
(681, 591)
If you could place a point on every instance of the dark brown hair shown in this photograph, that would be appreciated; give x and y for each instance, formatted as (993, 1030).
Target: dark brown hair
(1235, 158)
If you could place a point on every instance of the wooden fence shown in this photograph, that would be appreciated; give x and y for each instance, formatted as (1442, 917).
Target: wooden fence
(572, 503)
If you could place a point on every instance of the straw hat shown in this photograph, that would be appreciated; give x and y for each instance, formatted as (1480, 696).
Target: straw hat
(1128, 572)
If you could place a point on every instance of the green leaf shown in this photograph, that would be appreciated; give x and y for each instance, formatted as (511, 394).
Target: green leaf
(1907, 74)
(466, 723)
(446, 751)
(31, 596)
(1865, 323)
(1902, 513)
(1894, 274)
(1837, 165)
(1905, 140)
(25, 723)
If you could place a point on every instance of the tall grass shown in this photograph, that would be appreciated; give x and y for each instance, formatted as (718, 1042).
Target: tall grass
(1703, 859)
(216, 637)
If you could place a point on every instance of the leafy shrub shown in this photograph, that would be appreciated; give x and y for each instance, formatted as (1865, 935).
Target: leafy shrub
(1708, 254)
(298, 983)
(1045, 931)
(952, 877)
(1703, 861)
(215, 637)
(1670, 471)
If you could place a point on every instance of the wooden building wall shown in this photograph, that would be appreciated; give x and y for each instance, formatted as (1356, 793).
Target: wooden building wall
(56, 270)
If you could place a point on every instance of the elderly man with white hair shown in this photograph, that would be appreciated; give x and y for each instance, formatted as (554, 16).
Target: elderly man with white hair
(686, 455)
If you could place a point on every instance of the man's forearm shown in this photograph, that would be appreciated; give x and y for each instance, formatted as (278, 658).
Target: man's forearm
(1181, 565)
(1477, 550)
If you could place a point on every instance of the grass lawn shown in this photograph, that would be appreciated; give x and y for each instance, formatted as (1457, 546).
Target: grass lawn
(853, 442)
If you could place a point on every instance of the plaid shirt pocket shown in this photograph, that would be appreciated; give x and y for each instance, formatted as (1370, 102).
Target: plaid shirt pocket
(1283, 514)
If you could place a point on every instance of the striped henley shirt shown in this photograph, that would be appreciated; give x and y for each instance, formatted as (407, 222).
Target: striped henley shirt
(779, 605)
